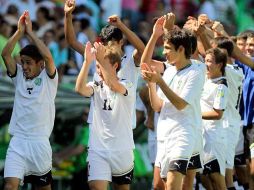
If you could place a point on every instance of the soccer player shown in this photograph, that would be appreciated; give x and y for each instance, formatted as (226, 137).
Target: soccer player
(234, 76)
(176, 100)
(111, 35)
(213, 103)
(110, 154)
(247, 64)
(29, 155)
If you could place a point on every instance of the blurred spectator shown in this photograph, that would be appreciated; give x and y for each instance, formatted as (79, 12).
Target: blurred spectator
(77, 152)
(207, 7)
(110, 7)
(49, 40)
(12, 15)
(5, 33)
(44, 21)
(182, 9)
(82, 37)
(130, 10)
(22, 6)
(226, 10)
(94, 12)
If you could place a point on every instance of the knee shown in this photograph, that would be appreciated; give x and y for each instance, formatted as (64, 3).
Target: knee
(93, 187)
(158, 186)
(252, 175)
(10, 186)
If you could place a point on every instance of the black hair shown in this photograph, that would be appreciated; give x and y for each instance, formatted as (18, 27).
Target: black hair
(45, 12)
(179, 37)
(225, 43)
(220, 57)
(193, 39)
(31, 51)
(84, 23)
(244, 35)
(110, 33)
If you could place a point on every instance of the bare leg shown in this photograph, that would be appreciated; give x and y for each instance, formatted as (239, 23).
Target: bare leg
(188, 180)
(11, 183)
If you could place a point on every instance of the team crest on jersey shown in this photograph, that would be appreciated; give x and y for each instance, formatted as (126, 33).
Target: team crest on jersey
(37, 81)
(129, 84)
(179, 83)
(220, 93)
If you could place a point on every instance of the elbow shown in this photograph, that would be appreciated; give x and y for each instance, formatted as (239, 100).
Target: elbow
(180, 108)
(78, 89)
(218, 117)
(4, 54)
(156, 108)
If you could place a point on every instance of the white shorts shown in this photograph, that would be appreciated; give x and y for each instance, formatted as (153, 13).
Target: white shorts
(232, 135)
(215, 147)
(105, 164)
(152, 149)
(240, 144)
(159, 153)
(28, 157)
(178, 148)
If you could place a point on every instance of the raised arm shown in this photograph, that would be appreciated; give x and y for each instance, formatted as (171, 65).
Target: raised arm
(108, 72)
(43, 49)
(131, 37)
(155, 100)
(68, 28)
(240, 56)
(154, 77)
(81, 84)
(148, 52)
(9, 61)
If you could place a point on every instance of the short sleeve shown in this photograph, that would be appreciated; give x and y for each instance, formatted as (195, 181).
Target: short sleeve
(193, 87)
(130, 89)
(221, 97)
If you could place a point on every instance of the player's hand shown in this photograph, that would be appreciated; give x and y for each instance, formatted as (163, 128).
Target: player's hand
(89, 53)
(28, 23)
(99, 52)
(203, 19)
(169, 21)
(218, 28)
(69, 6)
(191, 23)
(150, 74)
(158, 27)
(114, 20)
(21, 24)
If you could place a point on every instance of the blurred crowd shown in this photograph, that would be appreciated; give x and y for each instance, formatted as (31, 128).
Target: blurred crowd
(91, 15)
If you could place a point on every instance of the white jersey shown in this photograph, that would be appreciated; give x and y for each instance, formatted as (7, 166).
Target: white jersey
(34, 105)
(186, 83)
(96, 78)
(128, 71)
(234, 75)
(214, 96)
(112, 118)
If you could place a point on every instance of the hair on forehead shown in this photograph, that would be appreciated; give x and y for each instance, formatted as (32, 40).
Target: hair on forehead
(114, 56)
(31, 51)
(109, 33)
